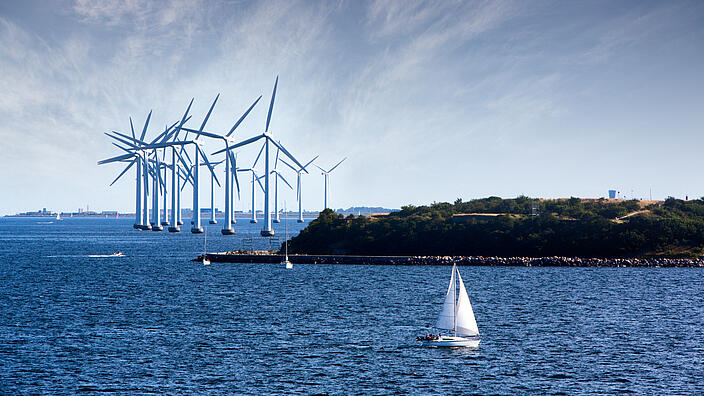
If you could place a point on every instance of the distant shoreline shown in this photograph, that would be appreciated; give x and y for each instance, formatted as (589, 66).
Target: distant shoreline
(231, 257)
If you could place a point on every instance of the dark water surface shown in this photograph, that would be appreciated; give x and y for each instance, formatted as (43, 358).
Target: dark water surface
(155, 322)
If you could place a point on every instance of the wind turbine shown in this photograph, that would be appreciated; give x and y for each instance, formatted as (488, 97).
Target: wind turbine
(227, 139)
(298, 185)
(254, 178)
(139, 157)
(326, 173)
(268, 231)
(212, 192)
(235, 183)
(276, 186)
(196, 227)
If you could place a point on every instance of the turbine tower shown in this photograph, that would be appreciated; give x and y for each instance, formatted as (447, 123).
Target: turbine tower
(326, 173)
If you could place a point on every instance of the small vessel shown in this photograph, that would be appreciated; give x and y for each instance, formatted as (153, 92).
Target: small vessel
(457, 316)
(58, 217)
(116, 254)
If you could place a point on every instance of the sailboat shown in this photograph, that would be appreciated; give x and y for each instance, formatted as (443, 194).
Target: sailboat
(457, 316)
(58, 217)
(289, 265)
(206, 261)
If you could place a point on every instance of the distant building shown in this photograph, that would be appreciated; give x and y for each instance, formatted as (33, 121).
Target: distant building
(612, 194)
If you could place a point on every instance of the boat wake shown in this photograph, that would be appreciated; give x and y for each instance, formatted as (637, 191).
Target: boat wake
(118, 254)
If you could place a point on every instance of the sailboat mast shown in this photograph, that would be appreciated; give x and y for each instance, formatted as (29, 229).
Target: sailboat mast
(286, 233)
(454, 301)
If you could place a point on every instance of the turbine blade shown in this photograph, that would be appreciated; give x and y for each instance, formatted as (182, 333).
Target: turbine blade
(210, 166)
(240, 144)
(243, 116)
(146, 124)
(204, 133)
(183, 120)
(271, 105)
(132, 128)
(122, 148)
(289, 165)
(233, 161)
(260, 183)
(258, 155)
(186, 166)
(310, 162)
(168, 144)
(285, 152)
(282, 178)
(184, 152)
(121, 140)
(338, 164)
(124, 171)
(169, 132)
(209, 111)
(116, 159)
(320, 168)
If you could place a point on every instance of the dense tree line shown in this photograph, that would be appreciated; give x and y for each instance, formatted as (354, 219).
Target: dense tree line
(568, 227)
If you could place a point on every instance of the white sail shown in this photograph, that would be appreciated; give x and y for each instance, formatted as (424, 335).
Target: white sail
(465, 321)
(446, 320)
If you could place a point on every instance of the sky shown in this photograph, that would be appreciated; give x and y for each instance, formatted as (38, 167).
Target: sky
(430, 101)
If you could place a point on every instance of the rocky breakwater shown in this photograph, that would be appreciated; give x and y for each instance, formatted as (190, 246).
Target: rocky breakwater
(556, 261)
(266, 257)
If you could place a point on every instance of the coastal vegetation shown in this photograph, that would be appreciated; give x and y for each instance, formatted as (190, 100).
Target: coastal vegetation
(521, 226)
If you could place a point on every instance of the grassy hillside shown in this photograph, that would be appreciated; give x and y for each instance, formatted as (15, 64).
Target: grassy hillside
(505, 227)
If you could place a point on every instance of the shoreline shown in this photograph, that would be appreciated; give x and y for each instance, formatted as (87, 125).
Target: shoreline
(459, 260)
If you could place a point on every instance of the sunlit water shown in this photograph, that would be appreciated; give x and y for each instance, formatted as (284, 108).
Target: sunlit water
(154, 321)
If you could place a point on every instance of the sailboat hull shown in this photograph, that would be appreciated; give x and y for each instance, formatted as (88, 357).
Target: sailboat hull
(448, 341)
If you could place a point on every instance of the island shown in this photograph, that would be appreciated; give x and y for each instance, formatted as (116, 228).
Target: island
(519, 227)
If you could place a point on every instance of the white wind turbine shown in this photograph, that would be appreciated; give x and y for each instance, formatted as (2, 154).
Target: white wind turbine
(268, 231)
(276, 186)
(298, 185)
(227, 139)
(254, 189)
(326, 173)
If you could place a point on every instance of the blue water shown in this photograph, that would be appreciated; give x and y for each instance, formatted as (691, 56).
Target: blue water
(155, 322)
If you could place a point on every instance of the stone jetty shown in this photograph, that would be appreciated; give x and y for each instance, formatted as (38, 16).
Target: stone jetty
(231, 257)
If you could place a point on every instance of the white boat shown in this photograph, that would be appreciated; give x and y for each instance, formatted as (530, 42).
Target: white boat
(116, 254)
(58, 217)
(456, 316)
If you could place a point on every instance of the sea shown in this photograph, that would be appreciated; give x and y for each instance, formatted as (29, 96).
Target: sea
(154, 321)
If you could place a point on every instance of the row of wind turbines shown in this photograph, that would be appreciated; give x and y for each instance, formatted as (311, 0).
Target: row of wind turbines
(168, 154)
